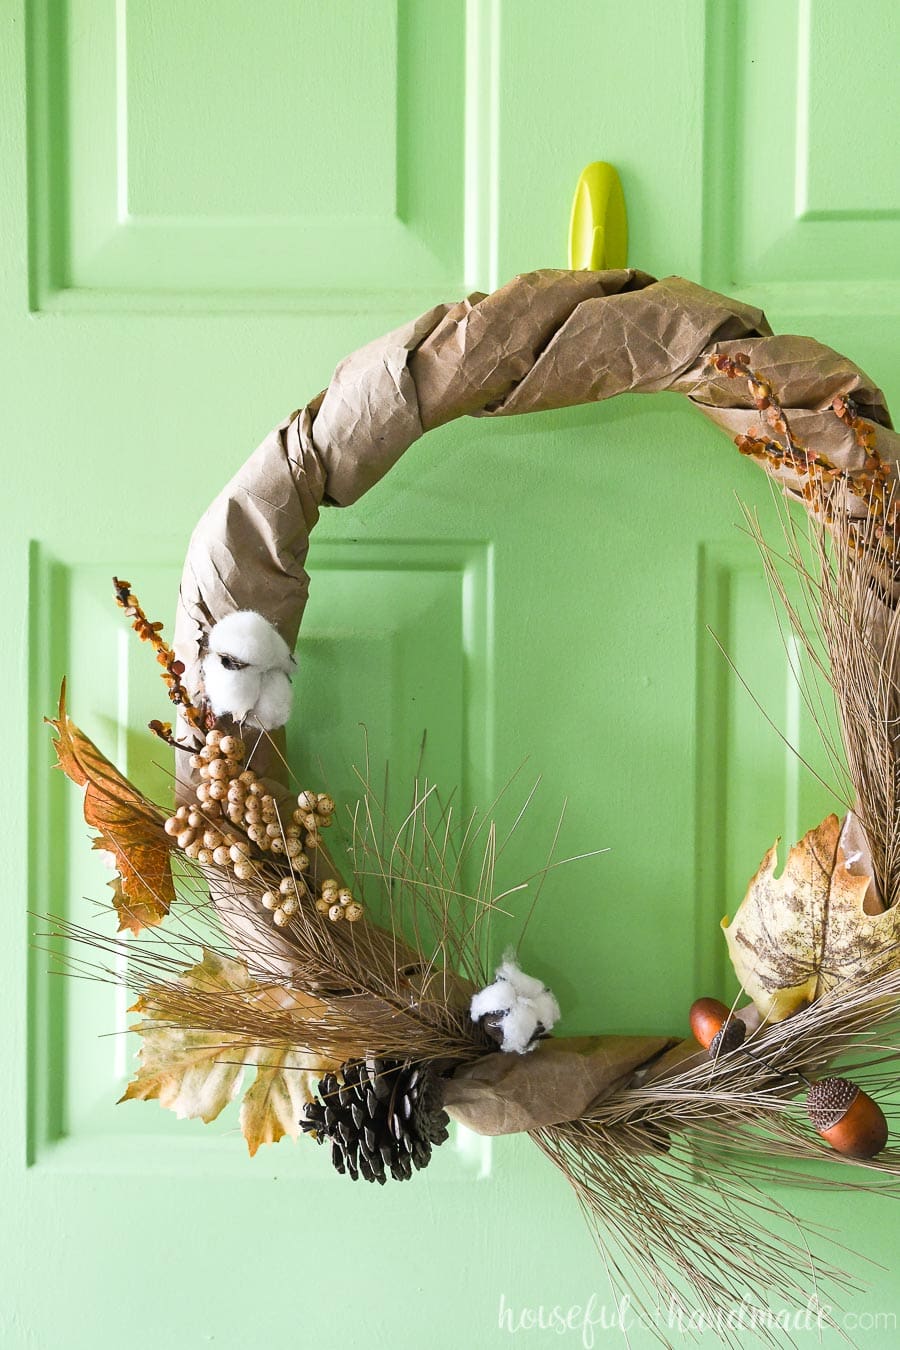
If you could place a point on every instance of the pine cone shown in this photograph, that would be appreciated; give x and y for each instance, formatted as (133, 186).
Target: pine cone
(379, 1116)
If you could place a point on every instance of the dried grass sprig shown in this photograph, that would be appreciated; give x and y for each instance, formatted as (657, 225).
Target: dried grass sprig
(670, 1173)
(399, 990)
(849, 625)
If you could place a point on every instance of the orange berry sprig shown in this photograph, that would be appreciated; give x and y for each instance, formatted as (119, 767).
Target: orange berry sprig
(847, 412)
(756, 443)
(173, 669)
(871, 482)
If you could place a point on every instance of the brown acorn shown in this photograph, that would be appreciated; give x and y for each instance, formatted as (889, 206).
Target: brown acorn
(708, 1017)
(847, 1117)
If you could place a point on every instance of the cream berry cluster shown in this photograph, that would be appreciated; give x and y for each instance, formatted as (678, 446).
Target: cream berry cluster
(235, 822)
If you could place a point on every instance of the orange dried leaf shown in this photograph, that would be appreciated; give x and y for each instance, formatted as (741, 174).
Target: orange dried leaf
(134, 914)
(130, 827)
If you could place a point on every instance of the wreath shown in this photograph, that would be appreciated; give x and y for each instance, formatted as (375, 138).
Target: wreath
(361, 986)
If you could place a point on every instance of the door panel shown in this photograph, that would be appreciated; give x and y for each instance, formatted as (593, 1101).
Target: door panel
(205, 209)
(805, 189)
(244, 156)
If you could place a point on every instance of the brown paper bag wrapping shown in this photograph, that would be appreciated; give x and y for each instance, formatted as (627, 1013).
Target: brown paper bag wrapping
(549, 339)
(503, 1094)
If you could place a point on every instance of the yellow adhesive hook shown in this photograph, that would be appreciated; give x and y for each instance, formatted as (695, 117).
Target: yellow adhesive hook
(598, 229)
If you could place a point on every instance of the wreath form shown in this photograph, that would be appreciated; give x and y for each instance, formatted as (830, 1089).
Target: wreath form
(378, 1022)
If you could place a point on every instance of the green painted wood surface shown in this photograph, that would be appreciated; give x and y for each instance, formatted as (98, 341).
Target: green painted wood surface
(203, 208)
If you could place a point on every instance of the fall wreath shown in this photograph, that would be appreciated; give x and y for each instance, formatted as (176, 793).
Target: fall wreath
(360, 987)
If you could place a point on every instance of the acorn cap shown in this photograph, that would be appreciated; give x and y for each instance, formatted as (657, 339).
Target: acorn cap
(847, 1117)
(730, 1037)
(829, 1100)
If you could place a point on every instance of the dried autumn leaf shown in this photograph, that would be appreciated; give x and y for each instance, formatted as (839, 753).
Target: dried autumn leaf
(820, 923)
(191, 1071)
(130, 826)
(273, 1105)
(196, 1070)
(135, 913)
(286, 1077)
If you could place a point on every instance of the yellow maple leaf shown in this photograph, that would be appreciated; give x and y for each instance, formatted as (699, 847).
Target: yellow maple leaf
(818, 924)
(130, 827)
(194, 1068)
(273, 1104)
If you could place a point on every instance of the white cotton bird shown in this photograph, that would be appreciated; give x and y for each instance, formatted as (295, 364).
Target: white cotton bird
(247, 669)
(251, 640)
(520, 1006)
(273, 706)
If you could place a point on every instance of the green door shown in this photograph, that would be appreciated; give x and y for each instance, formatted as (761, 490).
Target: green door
(204, 207)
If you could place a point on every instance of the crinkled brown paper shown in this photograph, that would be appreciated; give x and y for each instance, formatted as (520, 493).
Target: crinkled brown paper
(503, 1094)
(549, 339)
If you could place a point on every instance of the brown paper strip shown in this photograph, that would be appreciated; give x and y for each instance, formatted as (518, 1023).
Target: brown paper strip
(503, 1094)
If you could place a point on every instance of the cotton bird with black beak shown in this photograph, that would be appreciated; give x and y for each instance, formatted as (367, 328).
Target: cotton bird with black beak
(247, 670)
